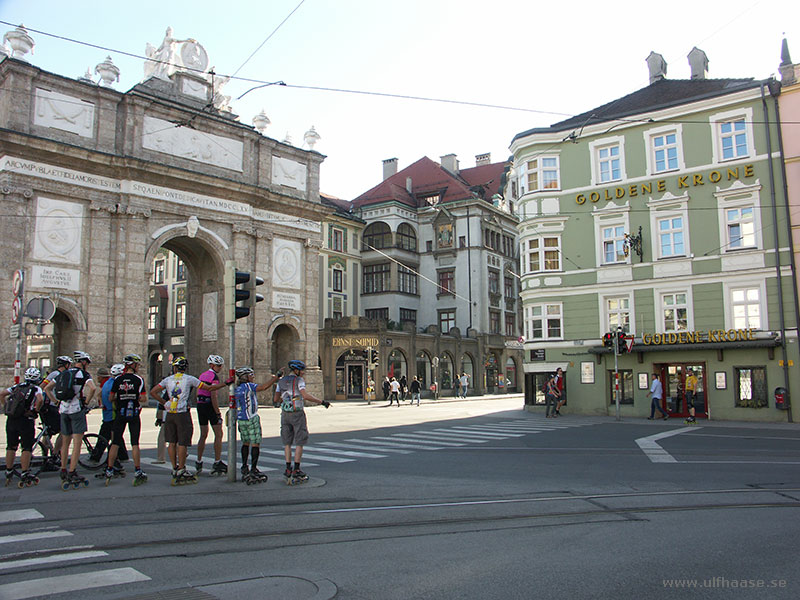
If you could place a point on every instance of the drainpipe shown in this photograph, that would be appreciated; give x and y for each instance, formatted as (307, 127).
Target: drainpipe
(469, 270)
(777, 247)
(775, 92)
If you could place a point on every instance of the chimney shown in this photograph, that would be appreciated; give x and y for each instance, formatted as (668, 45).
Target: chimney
(450, 162)
(657, 67)
(409, 187)
(483, 159)
(389, 168)
(698, 62)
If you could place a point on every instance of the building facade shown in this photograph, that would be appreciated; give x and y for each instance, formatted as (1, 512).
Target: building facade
(97, 183)
(655, 215)
(438, 283)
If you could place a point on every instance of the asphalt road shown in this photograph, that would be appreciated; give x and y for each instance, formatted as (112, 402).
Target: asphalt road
(471, 499)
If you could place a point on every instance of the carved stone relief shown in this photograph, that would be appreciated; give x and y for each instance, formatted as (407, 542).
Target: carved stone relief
(286, 264)
(210, 317)
(288, 172)
(58, 231)
(64, 112)
(163, 136)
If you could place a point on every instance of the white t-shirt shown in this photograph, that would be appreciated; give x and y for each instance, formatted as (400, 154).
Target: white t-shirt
(395, 386)
(179, 388)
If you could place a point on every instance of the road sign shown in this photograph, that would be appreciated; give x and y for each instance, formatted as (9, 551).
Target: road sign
(16, 283)
(629, 344)
(16, 310)
(40, 307)
(14, 331)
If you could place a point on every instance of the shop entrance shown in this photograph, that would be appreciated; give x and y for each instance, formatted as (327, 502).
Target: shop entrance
(355, 381)
(674, 377)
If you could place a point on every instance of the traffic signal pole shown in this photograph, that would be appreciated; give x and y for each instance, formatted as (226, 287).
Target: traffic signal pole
(616, 371)
(232, 406)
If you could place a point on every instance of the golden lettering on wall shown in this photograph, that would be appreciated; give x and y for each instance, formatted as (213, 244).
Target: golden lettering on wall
(683, 182)
(362, 342)
(698, 337)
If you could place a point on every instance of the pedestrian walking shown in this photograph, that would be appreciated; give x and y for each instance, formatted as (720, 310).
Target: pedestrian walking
(463, 385)
(551, 396)
(208, 414)
(128, 395)
(394, 386)
(560, 385)
(291, 396)
(387, 388)
(21, 403)
(657, 394)
(248, 421)
(416, 389)
(403, 387)
(691, 393)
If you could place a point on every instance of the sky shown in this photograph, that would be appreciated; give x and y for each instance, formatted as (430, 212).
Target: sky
(545, 60)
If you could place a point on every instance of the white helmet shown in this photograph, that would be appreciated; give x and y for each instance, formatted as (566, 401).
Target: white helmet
(215, 359)
(78, 356)
(117, 370)
(32, 374)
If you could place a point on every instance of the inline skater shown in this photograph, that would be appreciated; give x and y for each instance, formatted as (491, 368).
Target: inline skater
(107, 427)
(208, 413)
(248, 421)
(177, 419)
(128, 395)
(291, 395)
(20, 424)
(49, 413)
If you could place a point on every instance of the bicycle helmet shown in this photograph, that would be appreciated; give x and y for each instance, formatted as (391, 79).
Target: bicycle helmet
(79, 356)
(297, 365)
(63, 361)
(117, 370)
(215, 359)
(243, 372)
(32, 374)
(131, 359)
(180, 363)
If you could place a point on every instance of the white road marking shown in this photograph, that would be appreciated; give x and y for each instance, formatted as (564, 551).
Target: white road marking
(311, 455)
(655, 452)
(25, 537)
(33, 588)
(60, 557)
(359, 445)
(25, 514)
(421, 437)
(382, 446)
(431, 445)
(344, 452)
(484, 432)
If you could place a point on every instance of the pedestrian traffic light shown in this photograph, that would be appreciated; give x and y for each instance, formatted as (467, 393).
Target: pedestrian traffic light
(622, 347)
(374, 358)
(608, 340)
(240, 294)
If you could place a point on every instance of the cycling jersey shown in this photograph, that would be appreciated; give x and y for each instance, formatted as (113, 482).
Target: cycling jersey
(210, 378)
(128, 388)
(179, 387)
(246, 401)
(289, 389)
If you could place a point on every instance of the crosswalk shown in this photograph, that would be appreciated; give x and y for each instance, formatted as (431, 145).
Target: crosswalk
(420, 440)
(37, 547)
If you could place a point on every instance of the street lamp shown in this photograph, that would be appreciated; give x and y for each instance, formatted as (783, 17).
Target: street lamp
(263, 85)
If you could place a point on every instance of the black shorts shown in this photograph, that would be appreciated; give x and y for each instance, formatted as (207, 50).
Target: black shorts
(52, 419)
(134, 429)
(19, 429)
(206, 415)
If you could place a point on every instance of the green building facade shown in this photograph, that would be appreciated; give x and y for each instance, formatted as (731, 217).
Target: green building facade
(660, 215)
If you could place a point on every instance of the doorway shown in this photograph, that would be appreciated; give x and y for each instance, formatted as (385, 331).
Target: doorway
(355, 381)
(673, 377)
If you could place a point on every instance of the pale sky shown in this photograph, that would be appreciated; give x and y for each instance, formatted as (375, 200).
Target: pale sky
(560, 58)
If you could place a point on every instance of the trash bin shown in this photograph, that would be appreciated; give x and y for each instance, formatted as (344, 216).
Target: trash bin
(781, 398)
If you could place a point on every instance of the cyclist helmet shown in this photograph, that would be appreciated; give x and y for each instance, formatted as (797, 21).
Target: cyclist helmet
(33, 374)
(180, 363)
(117, 370)
(63, 361)
(215, 359)
(297, 365)
(78, 356)
(243, 372)
(131, 359)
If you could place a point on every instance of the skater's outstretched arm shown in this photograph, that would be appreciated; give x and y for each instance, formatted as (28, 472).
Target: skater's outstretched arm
(265, 386)
(309, 398)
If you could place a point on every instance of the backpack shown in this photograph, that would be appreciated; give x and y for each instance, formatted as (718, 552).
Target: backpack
(545, 385)
(64, 390)
(18, 402)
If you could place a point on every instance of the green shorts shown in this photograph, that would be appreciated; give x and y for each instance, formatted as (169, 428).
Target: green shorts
(250, 430)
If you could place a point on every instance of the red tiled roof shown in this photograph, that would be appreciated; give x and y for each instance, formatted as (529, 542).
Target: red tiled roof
(429, 177)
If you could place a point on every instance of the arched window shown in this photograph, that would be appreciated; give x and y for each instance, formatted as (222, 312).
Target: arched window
(406, 237)
(377, 235)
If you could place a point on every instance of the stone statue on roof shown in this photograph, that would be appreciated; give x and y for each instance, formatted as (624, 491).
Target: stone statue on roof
(163, 61)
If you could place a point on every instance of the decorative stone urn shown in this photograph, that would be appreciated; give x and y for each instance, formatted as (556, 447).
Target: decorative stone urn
(311, 137)
(21, 43)
(261, 121)
(108, 71)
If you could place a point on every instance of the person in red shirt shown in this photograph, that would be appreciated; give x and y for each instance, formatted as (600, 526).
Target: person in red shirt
(560, 385)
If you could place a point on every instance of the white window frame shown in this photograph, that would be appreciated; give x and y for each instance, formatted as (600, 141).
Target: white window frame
(659, 295)
(541, 251)
(716, 121)
(669, 207)
(604, 311)
(649, 140)
(730, 286)
(594, 151)
(545, 310)
(739, 196)
(611, 216)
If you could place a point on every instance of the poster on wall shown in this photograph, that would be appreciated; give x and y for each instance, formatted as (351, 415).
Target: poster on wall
(587, 372)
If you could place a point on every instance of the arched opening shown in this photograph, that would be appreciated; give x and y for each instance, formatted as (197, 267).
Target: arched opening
(285, 346)
(65, 337)
(377, 235)
(406, 237)
(351, 374)
(491, 373)
(511, 376)
(397, 366)
(423, 371)
(446, 372)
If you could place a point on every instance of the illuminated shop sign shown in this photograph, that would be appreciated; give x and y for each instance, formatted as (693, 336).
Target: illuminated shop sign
(364, 342)
(698, 337)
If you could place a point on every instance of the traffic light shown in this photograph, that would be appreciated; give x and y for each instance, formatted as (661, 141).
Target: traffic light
(373, 358)
(240, 294)
(622, 347)
(608, 340)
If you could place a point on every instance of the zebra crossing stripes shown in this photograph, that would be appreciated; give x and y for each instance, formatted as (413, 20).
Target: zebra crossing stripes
(394, 446)
(312, 455)
(359, 444)
(393, 442)
(485, 433)
(61, 556)
(25, 514)
(412, 437)
(352, 453)
(32, 588)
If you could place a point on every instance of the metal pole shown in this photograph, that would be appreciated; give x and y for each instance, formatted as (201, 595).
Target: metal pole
(231, 408)
(616, 371)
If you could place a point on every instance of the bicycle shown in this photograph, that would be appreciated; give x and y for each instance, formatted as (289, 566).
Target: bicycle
(47, 458)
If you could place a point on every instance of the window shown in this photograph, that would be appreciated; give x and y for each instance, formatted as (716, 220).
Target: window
(337, 309)
(152, 318)
(665, 152)
(376, 278)
(746, 308)
(675, 312)
(733, 139)
(494, 321)
(447, 320)
(408, 315)
(608, 164)
(180, 315)
(511, 330)
(625, 387)
(741, 227)
(508, 287)
(377, 235)
(733, 135)
(544, 254)
(618, 313)
(159, 271)
(613, 244)
(407, 279)
(494, 282)
(337, 239)
(338, 280)
(377, 314)
(180, 270)
(750, 386)
(406, 237)
(447, 282)
(670, 237)
(543, 322)
(542, 174)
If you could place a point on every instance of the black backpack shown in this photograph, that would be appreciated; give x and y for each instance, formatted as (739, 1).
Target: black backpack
(64, 390)
(18, 402)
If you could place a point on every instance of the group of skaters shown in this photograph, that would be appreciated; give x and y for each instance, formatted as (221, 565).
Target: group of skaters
(63, 398)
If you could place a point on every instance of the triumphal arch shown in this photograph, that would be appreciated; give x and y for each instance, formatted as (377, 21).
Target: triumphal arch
(93, 182)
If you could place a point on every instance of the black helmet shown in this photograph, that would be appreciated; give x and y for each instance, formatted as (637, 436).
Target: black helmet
(131, 359)
(180, 363)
